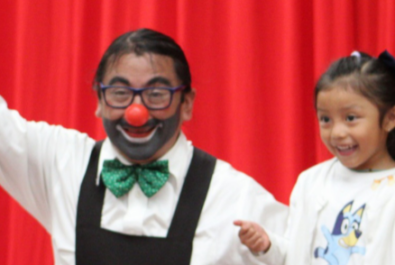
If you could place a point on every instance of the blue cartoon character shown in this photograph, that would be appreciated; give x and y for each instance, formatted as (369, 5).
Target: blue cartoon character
(344, 237)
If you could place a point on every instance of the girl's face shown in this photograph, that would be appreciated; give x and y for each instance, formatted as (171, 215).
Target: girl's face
(350, 129)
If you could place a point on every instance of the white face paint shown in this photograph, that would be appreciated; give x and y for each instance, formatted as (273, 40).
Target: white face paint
(137, 140)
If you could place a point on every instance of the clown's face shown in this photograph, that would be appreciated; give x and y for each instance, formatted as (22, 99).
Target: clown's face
(149, 141)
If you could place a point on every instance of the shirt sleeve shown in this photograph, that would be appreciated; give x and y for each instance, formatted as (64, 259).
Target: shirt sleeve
(272, 216)
(240, 197)
(36, 159)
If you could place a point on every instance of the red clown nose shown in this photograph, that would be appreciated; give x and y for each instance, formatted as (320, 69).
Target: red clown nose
(136, 115)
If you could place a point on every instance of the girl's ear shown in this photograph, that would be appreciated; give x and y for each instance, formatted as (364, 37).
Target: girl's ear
(389, 120)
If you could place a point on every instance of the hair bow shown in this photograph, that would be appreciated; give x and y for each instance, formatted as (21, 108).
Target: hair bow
(388, 60)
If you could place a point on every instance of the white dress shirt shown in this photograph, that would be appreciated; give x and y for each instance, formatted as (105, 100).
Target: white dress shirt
(42, 167)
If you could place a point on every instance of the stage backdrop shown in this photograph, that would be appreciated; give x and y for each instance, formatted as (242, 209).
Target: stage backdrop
(254, 65)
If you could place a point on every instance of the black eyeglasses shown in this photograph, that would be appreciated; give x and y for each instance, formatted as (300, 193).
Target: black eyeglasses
(153, 98)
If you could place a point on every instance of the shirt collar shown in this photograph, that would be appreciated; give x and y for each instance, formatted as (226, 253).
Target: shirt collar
(179, 157)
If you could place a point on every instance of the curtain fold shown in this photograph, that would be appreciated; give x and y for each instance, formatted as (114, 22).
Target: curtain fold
(254, 65)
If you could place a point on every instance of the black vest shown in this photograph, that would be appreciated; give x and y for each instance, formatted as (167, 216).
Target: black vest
(97, 246)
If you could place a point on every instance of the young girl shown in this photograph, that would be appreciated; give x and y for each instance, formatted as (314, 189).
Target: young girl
(342, 211)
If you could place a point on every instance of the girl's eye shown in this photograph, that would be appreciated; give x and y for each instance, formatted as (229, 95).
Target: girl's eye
(324, 119)
(351, 118)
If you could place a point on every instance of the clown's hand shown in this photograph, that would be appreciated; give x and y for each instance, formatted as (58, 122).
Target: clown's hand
(253, 236)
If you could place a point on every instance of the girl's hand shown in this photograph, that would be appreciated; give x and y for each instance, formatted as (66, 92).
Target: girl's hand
(253, 236)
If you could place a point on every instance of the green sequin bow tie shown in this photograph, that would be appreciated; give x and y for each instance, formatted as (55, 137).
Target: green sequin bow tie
(120, 178)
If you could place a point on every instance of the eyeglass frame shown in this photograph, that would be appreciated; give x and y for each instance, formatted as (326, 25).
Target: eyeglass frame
(138, 91)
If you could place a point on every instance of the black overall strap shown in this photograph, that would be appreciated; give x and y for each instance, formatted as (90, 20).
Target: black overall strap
(190, 203)
(90, 204)
(100, 246)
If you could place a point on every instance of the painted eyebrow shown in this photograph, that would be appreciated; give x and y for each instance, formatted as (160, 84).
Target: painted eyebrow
(158, 79)
(118, 79)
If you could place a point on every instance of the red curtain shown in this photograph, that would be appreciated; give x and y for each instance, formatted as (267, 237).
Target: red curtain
(254, 64)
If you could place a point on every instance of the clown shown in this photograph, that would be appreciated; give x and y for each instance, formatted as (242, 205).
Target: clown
(144, 195)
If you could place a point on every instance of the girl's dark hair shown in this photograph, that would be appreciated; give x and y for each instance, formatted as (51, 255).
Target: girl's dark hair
(372, 77)
(145, 41)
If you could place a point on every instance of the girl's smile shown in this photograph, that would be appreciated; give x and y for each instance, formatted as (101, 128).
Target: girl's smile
(346, 150)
